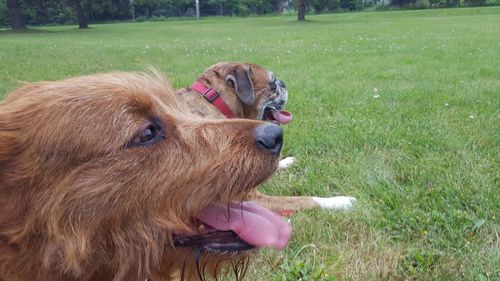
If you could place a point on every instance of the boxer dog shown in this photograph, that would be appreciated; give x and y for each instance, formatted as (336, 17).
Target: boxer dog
(245, 90)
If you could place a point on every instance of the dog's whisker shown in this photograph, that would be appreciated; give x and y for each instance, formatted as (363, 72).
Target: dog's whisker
(203, 269)
(183, 270)
(197, 257)
(235, 270)
(216, 270)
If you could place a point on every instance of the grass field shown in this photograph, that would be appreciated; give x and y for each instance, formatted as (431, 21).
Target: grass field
(398, 109)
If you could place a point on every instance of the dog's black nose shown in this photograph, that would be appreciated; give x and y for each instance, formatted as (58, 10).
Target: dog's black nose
(269, 137)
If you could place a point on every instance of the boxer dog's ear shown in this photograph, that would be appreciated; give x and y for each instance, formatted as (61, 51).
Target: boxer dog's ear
(240, 79)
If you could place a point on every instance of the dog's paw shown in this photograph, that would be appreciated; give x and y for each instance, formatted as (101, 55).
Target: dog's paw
(336, 202)
(285, 163)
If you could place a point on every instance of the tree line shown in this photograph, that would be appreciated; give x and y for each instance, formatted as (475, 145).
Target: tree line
(19, 13)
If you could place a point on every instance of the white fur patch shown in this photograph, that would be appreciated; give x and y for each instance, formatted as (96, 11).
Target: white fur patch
(335, 203)
(285, 163)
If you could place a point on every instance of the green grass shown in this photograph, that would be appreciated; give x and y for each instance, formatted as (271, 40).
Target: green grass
(422, 158)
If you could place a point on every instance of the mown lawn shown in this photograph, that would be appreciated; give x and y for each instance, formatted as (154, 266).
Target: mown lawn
(399, 109)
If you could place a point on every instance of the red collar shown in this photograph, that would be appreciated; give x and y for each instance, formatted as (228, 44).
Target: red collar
(213, 97)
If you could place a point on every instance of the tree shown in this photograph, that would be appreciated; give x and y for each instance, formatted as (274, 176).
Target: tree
(217, 3)
(301, 7)
(320, 6)
(15, 15)
(475, 2)
(80, 15)
(352, 6)
(403, 3)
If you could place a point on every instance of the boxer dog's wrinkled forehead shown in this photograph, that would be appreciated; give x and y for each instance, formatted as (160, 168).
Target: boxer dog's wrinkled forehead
(275, 83)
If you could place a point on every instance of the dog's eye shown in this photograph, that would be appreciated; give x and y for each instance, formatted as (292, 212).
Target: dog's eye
(145, 136)
(148, 135)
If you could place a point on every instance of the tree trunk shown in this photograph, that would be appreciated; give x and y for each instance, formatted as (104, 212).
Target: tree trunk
(80, 16)
(302, 10)
(15, 15)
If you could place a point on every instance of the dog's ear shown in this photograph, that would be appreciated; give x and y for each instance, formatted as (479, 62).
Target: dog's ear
(240, 79)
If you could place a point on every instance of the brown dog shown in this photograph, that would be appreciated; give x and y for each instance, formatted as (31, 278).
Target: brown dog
(109, 177)
(244, 90)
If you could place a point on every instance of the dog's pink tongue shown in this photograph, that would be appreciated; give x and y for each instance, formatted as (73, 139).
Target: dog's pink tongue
(253, 223)
(282, 116)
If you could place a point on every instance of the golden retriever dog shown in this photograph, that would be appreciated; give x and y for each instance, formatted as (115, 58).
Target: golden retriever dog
(111, 177)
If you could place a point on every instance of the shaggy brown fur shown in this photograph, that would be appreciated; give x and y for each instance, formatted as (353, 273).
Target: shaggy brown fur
(80, 201)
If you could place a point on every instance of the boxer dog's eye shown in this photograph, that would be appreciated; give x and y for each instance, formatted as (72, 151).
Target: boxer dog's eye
(150, 134)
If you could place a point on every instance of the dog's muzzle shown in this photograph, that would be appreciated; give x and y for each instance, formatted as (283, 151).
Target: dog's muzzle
(273, 109)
